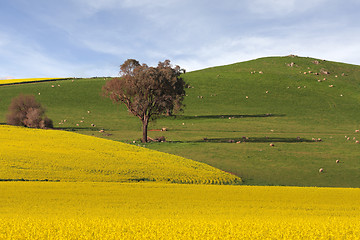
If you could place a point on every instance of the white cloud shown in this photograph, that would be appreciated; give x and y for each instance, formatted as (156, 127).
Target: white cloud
(95, 37)
(279, 8)
(25, 59)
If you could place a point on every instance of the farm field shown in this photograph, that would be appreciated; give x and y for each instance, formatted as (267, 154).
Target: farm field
(228, 104)
(262, 122)
(53, 155)
(57, 210)
(25, 80)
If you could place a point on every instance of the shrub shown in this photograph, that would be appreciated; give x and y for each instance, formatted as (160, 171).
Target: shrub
(24, 110)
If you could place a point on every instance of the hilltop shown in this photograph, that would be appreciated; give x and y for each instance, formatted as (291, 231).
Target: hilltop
(273, 100)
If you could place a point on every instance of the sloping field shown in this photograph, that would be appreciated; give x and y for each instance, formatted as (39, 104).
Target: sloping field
(32, 154)
(25, 80)
(258, 102)
(34, 210)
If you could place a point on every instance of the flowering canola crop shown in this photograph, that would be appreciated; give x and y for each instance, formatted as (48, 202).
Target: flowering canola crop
(54, 155)
(24, 80)
(64, 210)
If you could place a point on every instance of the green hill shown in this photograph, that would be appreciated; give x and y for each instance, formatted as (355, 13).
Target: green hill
(259, 102)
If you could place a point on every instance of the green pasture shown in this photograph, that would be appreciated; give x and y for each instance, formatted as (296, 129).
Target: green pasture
(229, 104)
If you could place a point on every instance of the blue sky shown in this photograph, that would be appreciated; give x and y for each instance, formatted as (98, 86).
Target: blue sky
(85, 38)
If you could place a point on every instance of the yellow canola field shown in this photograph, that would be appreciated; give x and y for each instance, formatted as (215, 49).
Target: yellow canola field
(48, 210)
(54, 155)
(24, 80)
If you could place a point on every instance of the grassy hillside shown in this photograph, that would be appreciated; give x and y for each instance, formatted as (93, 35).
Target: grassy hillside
(32, 154)
(228, 104)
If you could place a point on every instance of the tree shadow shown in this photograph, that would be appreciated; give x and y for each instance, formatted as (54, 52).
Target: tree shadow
(68, 128)
(249, 140)
(229, 116)
(76, 128)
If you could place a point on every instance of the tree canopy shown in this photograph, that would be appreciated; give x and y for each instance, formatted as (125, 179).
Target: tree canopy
(147, 91)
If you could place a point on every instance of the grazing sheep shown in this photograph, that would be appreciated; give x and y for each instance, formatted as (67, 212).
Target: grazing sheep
(290, 64)
(272, 145)
(331, 86)
(357, 141)
(163, 129)
(357, 130)
(337, 161)
(321, 170)
(261, 72)
(247, 97)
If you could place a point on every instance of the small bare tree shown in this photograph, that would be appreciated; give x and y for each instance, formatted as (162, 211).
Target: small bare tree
(146, 91)
(24, 110)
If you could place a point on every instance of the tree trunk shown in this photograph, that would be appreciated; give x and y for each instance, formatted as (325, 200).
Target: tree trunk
(168, 113)
(145, 123)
